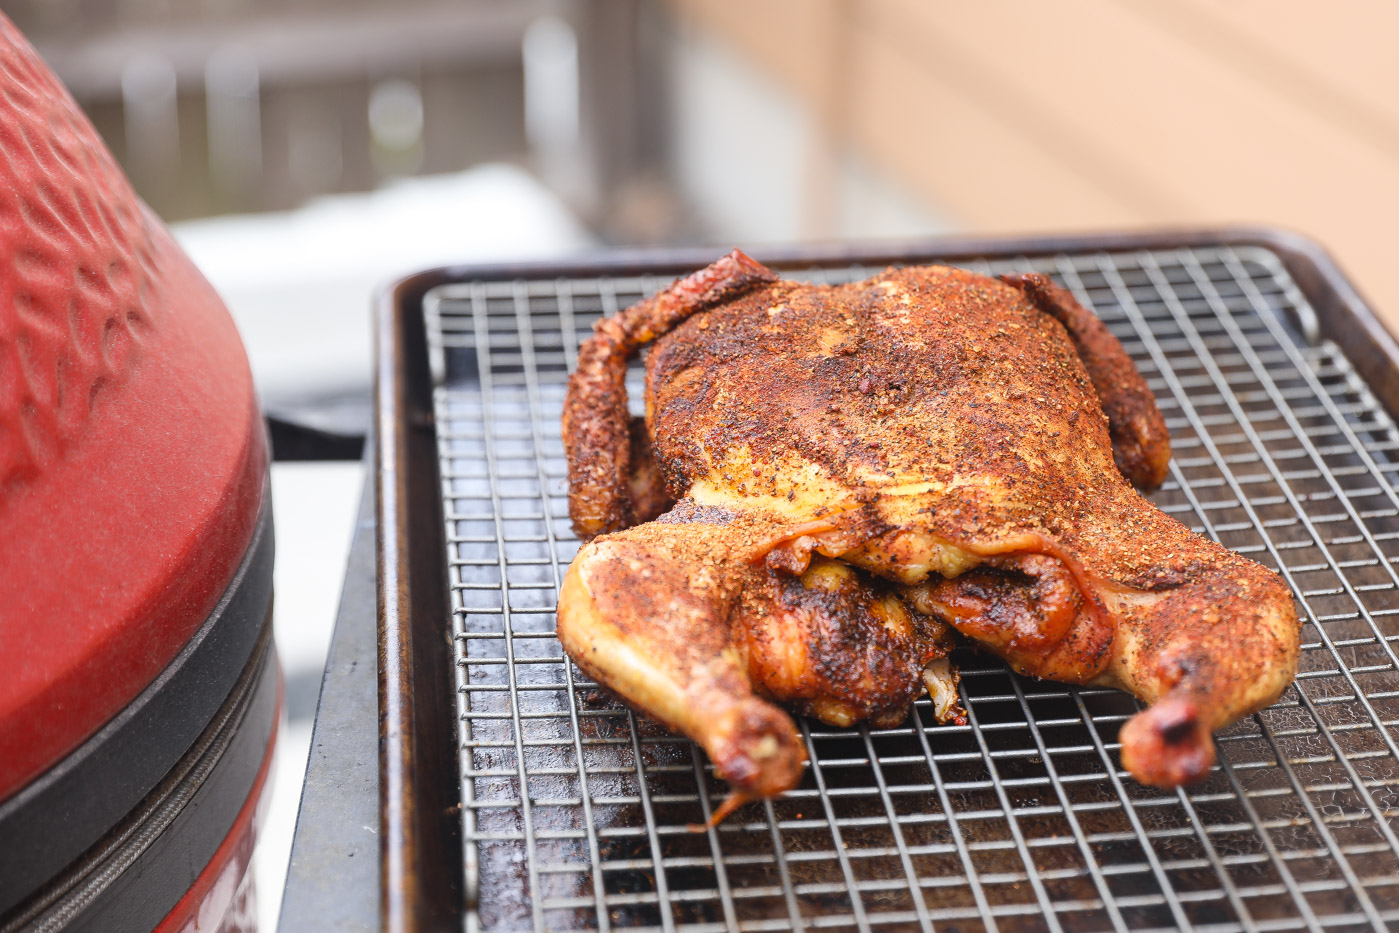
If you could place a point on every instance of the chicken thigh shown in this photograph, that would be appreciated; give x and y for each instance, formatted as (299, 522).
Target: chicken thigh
(966, 443)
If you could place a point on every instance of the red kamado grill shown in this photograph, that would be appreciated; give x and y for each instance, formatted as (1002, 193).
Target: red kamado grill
(138, 684)
(515, 796)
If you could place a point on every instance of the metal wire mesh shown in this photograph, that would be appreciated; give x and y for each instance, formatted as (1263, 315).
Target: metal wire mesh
(575, 809)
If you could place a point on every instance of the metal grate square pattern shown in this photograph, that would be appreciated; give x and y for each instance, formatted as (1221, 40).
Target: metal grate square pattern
(575, 810)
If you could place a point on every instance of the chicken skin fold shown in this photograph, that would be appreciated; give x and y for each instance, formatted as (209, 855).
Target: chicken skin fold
(855, 468)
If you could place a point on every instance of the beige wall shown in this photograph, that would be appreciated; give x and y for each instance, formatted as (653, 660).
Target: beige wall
(1091, 114)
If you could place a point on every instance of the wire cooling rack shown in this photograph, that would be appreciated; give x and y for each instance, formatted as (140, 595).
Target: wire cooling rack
(575, 809)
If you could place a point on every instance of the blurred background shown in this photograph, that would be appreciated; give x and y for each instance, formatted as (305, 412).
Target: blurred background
(307, 151)
(311, 149)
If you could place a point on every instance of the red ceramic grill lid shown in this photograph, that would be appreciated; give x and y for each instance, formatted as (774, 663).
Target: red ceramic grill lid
(132, 459)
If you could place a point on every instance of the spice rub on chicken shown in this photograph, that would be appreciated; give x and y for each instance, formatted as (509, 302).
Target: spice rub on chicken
(857, 468)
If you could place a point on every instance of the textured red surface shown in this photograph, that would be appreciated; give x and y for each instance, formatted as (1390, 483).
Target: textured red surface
(132, 457)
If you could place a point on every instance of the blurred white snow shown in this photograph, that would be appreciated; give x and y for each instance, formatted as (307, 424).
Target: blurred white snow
(300, 283)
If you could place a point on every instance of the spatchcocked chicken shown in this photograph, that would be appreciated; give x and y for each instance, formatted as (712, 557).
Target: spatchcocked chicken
(828, 478)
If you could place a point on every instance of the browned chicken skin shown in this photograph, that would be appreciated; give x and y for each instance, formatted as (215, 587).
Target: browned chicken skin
(957, 436)
(835, 644)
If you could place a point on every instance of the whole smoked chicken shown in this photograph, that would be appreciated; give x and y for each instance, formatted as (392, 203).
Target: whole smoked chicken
(855, 468)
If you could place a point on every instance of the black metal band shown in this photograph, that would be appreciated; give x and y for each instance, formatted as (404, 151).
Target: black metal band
(62, 813)
(133, 877)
